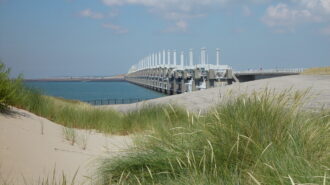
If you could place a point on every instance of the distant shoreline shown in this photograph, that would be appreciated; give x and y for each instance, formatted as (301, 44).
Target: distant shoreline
(76, 80)
(117, 78)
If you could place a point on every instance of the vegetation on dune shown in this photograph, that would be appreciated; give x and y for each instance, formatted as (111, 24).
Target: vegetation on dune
(9, 88)
(76, 114)
(317, 71)
(260, 139)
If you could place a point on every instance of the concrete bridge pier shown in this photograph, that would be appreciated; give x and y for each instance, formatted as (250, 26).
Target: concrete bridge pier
(184, 81)
(175, 86)
(169, 85)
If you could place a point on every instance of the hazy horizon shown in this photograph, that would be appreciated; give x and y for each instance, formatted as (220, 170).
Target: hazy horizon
(44, 39)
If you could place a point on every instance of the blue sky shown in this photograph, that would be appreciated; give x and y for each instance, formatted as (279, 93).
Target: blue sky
(47, 38)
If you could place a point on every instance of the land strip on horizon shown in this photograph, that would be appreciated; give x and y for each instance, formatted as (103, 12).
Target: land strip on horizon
(79, 79)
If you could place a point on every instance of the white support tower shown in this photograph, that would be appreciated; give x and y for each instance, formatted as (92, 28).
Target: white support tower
(191, 58)
(156, 59)
(207, 57)
(169, 58)
(182, 59)
(218, 56)
(153, 60)
(143, 64)
(203, 57)
(164, 58)
(174, 58)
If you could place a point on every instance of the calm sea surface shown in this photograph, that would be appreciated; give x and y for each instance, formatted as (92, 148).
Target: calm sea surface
(85, 91)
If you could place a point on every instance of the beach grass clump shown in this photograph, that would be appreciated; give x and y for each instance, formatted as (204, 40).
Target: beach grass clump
(70, 135)
(317, 71)
(73, 115)
(258, 139)
(9, 88)
(83, 139)
(151, 116)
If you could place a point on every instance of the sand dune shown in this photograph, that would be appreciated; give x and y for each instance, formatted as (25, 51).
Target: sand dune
(31, 147)
(318, 85)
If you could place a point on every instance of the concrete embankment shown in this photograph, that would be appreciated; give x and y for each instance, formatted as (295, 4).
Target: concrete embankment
(318, 87)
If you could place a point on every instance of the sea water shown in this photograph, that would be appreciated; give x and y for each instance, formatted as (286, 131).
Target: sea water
(89, 91)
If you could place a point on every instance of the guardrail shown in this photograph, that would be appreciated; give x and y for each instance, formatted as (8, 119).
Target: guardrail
(293, 70)
(115, 101)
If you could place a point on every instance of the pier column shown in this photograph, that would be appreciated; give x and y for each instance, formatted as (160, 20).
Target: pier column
(168, 58)
(182, 60)
(191, 58)
(203, 57)
(164, 58)
(184, 81)
(169, 86)
(174, 58)
(218, 56)
(211, 78)
(175, 86)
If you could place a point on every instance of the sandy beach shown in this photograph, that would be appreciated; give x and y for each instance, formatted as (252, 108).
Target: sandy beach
(31, 148)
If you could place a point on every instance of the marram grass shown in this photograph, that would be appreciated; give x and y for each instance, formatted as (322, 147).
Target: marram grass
(259, 139)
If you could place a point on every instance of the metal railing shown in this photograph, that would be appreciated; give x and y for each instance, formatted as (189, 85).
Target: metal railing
(290, 70)
(115, 101)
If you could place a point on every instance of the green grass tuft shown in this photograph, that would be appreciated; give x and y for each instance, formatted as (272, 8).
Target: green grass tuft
(9, 89)
(260, 139)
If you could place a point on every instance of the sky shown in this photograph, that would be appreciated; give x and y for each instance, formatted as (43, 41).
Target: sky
(48, 38)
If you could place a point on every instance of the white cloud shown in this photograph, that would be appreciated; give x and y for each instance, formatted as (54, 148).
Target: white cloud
(179, 26)
(316, 5)
(115, 28)
(184, 5)
(91, 14)
(178, 12)
(288, 16)
(282, 15)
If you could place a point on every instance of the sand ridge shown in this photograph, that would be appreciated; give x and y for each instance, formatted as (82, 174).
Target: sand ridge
(31, 147)
(317, 85)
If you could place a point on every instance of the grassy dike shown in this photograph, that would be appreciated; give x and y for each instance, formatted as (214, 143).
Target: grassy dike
(263, 138)
(317, 71)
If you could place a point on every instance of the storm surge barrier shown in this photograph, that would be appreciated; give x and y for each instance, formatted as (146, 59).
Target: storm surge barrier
(164, 72)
